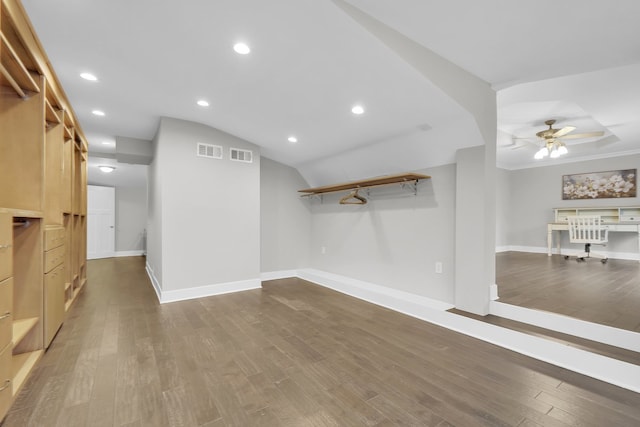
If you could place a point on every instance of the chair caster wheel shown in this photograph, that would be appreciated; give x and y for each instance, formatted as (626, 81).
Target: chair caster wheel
(566, 257)
(604, 261)
(579, 259)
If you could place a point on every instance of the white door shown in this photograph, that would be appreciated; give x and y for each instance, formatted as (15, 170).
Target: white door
(101, 232)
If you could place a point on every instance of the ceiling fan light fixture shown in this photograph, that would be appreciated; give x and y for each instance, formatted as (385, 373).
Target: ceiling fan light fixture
(562, 150)
(541, 154)
(554, 153)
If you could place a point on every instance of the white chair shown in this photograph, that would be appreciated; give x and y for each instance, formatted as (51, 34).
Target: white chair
(590, 231)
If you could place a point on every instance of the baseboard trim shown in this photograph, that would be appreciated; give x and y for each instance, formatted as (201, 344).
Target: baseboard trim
(154, 281)
(567, 325)
(199, 291)
(209, 290)
(403, 302)
(119, 254)
(275, 275)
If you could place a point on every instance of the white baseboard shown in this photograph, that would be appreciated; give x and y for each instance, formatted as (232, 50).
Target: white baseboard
(275, 275)
(154, 282)
(630, 256)
(403, 302)
(493, 292)
(568, 325)
(199, 291)
(209, 290)
(119, 254)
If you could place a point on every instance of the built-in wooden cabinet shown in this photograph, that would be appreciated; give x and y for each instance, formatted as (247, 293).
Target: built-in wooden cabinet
(43, 180)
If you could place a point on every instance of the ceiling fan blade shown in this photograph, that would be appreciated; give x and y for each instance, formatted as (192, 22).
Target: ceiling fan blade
(565, 130)
(584, 135)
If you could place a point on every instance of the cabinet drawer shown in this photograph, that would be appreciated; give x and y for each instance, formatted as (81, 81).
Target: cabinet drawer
(6, 390)
(6, 245)
(53, 258)
(6, 318)
(53, 303)
(53, 237)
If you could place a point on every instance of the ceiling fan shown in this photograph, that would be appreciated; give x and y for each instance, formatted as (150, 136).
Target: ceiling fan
(555, 147)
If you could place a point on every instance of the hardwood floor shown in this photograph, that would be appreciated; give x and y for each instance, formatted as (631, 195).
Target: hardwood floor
(608, 294)
(290, 354)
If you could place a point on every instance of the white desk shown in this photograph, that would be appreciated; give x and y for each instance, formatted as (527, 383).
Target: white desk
(613, 228)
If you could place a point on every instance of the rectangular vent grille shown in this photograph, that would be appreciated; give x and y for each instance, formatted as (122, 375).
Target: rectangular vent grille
(239, 155)
(210, 151)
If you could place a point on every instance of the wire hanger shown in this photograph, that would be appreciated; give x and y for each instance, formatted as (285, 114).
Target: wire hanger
(353, 198)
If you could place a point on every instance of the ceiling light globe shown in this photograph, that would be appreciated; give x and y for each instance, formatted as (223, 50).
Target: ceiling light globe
(88, 76)
(107, 169)
(292, 139)
(241, 48)
(357, 109)
(562, 150)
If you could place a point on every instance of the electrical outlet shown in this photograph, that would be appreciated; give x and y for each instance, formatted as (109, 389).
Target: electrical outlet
(439, 267)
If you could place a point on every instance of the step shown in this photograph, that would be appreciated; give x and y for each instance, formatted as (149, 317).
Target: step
(613, 352)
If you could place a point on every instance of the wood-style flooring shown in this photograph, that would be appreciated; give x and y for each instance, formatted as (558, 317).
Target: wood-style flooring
(608, 294)
(289, 354)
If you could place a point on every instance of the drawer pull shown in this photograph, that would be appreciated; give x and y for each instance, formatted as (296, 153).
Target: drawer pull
(4, 316)
(5, 246)
(6, 385)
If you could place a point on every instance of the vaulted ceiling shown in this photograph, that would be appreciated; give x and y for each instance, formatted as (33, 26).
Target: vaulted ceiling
(576, 61)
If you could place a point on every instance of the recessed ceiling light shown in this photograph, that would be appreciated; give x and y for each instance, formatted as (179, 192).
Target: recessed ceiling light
(107, 143)
(292, 139)
(107, 169)
(241, 48)
(98, 113)
(357, 109)
(89, 76)
(203, 103)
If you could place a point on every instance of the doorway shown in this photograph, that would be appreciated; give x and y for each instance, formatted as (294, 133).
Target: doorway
(101, 203)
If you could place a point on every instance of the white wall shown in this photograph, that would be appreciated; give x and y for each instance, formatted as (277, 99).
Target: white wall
(210, 228)
(131, 218)
(154, 216)
(130, 183)
(503, 203)
(536, 191)
(394, 240)
(285, 218)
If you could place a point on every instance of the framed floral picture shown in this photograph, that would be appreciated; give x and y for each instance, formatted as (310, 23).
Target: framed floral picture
(600, 185)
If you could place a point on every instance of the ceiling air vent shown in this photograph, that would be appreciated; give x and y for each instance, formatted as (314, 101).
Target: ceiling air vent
(210, 151)
(239, 155)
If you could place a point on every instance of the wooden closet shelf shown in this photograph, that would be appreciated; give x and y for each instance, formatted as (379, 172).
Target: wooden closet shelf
(13, 71)
(22, 327)
(22, 364)
(51, 116)
(366, 183)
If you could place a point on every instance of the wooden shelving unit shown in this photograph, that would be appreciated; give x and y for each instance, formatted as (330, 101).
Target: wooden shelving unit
(43, 210)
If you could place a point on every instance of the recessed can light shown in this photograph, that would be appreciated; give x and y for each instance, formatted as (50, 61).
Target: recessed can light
(203, 103)
(357, 109)
(292, 139)
(107, 143)
(98, 113)
(241, 48)
(107, 169)
(89, 76)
